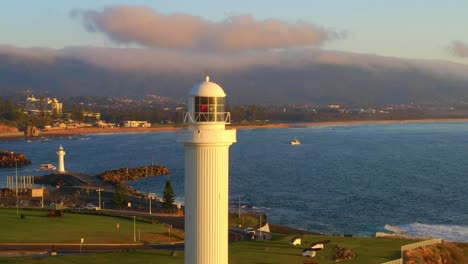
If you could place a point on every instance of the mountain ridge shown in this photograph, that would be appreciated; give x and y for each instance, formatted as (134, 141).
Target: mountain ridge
(329, 77)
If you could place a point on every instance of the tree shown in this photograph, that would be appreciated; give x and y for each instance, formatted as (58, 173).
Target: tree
(168, 195)
(121, 196)
(77, 113)
(237, 114)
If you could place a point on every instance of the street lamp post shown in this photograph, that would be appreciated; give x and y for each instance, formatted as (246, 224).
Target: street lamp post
(99, 196)
(260, 224)
(151, 195)
(169, 228)
(42, 197)
(134, 229)
(239, 207)
(17, 198)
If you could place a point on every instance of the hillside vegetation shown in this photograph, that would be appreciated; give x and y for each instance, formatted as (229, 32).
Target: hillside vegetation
(445, 253)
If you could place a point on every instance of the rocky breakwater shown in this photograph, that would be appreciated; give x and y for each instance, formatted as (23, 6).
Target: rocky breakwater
(120, 176)
(56, 180)
(10, 159)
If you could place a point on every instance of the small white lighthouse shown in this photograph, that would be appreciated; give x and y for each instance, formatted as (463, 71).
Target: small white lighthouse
(206, 144)
(61, 163)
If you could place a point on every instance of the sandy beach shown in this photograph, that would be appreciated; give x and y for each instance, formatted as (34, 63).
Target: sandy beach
(360, 122)
(95, 130)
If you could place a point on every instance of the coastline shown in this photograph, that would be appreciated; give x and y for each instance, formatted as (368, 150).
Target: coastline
(94, 130)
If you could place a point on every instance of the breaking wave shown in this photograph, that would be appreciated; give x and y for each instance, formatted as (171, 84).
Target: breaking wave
(447, 232)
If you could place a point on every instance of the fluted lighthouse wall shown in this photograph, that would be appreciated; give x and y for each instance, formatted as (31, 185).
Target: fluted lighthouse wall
(206, 199)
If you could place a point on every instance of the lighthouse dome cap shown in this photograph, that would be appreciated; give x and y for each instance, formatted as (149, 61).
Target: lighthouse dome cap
(207, 89)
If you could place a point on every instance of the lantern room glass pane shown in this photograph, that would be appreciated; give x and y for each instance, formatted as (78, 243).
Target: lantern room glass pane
(209, 109)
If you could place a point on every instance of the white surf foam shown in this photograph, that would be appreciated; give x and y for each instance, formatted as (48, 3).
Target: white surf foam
(446, 232)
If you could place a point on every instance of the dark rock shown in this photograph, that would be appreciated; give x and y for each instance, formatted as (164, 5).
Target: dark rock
(10, 159)
(31, 131)
(343, 254)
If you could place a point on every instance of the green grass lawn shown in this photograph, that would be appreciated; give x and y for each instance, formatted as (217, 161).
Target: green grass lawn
(139, 256)
(36, 227)
(368, 250)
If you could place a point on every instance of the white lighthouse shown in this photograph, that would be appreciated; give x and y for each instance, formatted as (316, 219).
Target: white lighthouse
(206, 144)
(61, 163)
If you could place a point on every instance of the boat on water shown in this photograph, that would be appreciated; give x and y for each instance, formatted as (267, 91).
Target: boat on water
(295, 142)
(47, 166)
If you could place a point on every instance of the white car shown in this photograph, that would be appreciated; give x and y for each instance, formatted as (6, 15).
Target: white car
(91, 207)
(249, 231)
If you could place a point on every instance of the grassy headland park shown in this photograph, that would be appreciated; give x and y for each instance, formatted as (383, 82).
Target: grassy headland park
(37, 228)
(142, 240)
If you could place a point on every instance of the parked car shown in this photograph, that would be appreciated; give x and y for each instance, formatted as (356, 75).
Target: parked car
(249, 231)
(91, 207)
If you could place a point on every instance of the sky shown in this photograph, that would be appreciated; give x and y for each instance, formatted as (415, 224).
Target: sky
(416, 29)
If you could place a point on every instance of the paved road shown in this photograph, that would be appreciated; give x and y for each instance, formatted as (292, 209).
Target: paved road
(67, 248)
(175, 221)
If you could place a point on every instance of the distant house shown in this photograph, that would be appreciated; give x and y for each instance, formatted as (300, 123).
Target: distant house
(296, 240)
(55, 106)
(104, 124)
(314, 247)
(90, 114)
(47, 106)
(133, 123)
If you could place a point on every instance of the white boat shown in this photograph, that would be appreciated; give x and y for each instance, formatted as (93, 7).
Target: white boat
(47, 167)
(295, 142)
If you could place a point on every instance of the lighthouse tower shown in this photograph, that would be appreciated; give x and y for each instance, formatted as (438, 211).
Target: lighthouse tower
(61, 162)
(206, 144)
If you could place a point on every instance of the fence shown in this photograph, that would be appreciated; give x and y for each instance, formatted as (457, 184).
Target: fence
(414, 246)
(396, 261)
(420, 244)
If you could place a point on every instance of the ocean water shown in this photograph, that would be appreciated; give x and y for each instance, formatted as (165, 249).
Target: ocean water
(353, 179)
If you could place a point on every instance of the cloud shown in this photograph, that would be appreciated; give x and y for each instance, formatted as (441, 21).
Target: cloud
(38, 54)
(460, 49)
(146, 27)
(163, 61)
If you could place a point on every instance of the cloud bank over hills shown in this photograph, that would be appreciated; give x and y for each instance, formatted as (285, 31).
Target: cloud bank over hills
(257, 61)
(302, 76)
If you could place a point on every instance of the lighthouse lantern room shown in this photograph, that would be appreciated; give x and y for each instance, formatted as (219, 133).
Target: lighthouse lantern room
(206, 104)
